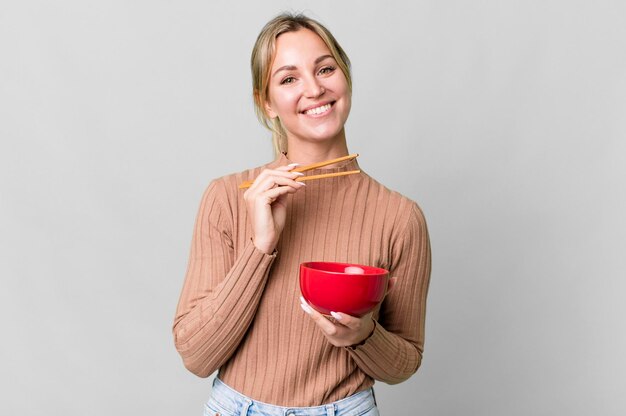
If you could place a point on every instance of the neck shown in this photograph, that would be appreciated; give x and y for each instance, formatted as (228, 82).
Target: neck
(309, 152)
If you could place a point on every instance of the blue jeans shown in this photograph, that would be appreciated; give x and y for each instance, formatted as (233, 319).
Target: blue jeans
(225, 401)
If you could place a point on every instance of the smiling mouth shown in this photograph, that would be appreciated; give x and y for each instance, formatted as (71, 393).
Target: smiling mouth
(318, 110)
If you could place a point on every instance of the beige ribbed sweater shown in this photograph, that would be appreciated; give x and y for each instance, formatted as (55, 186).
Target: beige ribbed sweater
(239, 308)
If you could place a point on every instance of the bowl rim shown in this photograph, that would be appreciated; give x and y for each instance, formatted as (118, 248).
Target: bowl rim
(369, 270)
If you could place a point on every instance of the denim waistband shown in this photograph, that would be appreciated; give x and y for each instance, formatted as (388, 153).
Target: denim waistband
(225, 401)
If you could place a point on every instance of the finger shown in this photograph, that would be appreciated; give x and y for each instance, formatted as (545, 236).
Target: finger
(270, 183)
(271, 179)
(391, 284)
(282, 170)
(281, 200)
(271, 195)
(324, 324)
(288, 167)
(352, 322)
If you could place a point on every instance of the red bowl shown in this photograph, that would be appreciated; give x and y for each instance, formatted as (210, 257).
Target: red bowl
(327, 287)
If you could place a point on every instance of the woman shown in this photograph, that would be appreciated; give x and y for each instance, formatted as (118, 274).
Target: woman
(240, 310)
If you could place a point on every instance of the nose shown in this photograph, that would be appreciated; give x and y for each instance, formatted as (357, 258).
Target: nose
(313, 88)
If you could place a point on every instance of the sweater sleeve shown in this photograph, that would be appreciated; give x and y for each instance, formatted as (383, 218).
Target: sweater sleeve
(221, 293)
(394, 350)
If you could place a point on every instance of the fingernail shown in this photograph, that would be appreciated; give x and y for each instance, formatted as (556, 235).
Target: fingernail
(293, 165)
(336, 315)
(298, 173)
(306, 308)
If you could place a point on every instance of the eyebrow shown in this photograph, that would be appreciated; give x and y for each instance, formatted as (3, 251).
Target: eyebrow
(292, 67)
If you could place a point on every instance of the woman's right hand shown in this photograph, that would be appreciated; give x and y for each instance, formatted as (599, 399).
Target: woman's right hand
(266, 203)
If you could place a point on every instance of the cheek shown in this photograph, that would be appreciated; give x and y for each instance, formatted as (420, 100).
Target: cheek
(283, 102)
(346, 111)
(340, 83)
(346, 98)
(341, 89)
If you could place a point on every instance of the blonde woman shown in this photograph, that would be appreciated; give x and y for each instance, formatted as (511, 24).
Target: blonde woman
(240, 310)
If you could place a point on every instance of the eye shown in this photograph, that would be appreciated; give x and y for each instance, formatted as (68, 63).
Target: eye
(326, 70)
(287, 80)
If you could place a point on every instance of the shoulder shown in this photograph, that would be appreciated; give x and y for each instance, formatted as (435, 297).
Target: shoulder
(404, 209)
(409, 229)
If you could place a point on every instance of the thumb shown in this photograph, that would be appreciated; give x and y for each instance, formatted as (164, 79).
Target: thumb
(391, 284)
(281, 200)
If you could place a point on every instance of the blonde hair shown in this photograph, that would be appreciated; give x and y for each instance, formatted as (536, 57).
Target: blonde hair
(263, 57)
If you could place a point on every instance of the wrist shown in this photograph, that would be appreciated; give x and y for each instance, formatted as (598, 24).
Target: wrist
(265, 247)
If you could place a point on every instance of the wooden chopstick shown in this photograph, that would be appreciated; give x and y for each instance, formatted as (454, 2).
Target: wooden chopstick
(248, 184)
(324, 163)
(305, 168)
(326, 175)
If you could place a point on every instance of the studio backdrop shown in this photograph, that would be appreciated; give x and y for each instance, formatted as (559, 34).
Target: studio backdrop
(504, 120)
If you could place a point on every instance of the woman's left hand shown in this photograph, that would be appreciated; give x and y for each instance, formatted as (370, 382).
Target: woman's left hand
(347, 330)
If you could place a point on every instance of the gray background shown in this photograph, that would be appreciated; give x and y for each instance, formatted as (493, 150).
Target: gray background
(505, 120)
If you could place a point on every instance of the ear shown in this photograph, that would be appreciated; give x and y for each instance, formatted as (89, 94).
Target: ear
(268, 110)
(266, 105)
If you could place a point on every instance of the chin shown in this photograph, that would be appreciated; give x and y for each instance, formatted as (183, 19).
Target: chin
(325, 132)
(324, 136)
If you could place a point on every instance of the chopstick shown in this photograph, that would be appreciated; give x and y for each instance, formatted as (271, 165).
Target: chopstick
(327, 175)
(305, 168)
(248, 184)
(324, 163)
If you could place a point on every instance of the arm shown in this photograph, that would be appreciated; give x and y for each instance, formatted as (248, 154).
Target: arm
(220, 294)
(394, 350)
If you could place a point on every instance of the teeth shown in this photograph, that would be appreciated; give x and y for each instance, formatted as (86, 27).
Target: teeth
(318, 110)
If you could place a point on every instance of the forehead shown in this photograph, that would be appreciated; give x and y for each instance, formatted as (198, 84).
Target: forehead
(298, 48)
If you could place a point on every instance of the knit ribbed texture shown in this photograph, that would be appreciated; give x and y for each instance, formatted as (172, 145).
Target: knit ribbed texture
(239, 308)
